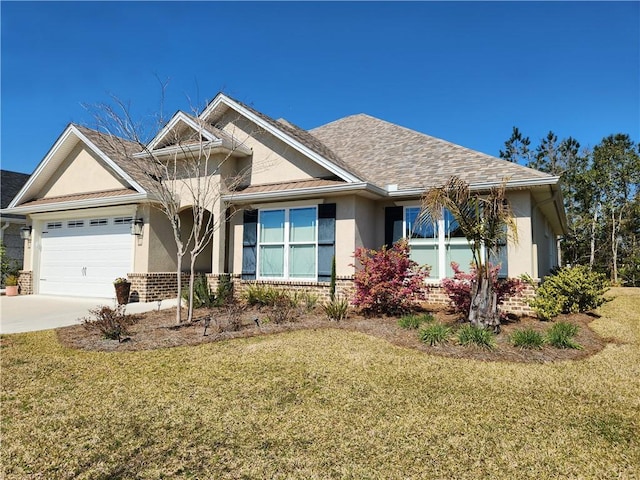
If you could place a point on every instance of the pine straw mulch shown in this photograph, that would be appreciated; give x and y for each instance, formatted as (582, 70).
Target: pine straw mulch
(157, 329)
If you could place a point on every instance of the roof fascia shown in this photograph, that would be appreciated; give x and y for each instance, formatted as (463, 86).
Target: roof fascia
(299, 192)
(77, 204)
(509, 184)
(179, 116)
(276, 132)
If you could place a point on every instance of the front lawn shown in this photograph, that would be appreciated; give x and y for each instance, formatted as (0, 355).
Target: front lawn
(324, 403)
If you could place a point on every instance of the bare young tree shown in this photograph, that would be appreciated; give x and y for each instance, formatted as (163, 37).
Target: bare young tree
(486, 220)
(186, 171)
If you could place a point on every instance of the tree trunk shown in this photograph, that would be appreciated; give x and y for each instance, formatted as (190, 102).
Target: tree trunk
(179, 281)
(594, 223)
(191, 281)
(484, 305)
(614, 248)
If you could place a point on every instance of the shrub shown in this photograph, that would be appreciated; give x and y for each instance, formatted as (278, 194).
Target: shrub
(414, 321)
(307, 300)
(458, 288)
(202, 294)
(471, 335)
(11, 281)
(561, 334)
(569, 290)
(336, 309)
(224, 291)
(281, 306)
(388, 282)
(434, 334)
(261, 295)
(112, 323)
(527, 338)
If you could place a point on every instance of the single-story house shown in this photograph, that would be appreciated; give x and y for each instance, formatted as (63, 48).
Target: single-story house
(304, 197)
(10, 225)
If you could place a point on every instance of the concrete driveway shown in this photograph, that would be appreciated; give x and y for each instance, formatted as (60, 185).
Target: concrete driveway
(28, 313)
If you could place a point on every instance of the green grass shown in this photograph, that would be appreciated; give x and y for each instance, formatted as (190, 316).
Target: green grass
(561, 334)
(414, 321)
(470, 335)
(527, 338)
(434, 333)
(319, 404)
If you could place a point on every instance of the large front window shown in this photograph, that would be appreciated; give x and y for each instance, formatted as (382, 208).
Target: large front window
(288, 242)
(440, 243)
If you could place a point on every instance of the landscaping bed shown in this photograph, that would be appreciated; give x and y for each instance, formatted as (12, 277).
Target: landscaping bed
(158, 329)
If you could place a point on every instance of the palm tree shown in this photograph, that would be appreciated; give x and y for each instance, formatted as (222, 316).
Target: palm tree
(486, 220)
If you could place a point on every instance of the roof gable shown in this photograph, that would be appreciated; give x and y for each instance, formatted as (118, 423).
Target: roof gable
(102, 149)
(291, 135)
(395, 155)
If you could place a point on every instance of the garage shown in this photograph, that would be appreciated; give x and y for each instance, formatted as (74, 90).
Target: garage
(82, 257)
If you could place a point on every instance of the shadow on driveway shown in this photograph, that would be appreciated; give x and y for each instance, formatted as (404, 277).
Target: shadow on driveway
(29, 313)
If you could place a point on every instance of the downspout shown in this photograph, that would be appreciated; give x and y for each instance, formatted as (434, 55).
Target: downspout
(2, 229)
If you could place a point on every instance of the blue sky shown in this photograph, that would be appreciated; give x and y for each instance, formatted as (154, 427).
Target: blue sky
(464, 72)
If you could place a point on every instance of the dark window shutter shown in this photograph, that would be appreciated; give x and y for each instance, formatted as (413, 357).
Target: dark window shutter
(326, 240)
(249, 243)
(392, 225)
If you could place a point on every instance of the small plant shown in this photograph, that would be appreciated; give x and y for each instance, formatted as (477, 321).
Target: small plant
(234, 316)
(224, 292)
(471, 335)
(569, 290)
(120, 280)
(11, 281)
(388, 282)
(306, 300)
(527, 338)
(202, 294)
(434, 334)
(336, 309)
(414, 321)
(260, 295)
(282, 307)
(561, 334)
(112, 323)
(332, 285)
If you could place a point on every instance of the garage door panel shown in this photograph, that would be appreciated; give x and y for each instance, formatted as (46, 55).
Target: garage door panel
(84, 261)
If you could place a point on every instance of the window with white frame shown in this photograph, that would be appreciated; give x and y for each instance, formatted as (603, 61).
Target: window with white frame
(288, 243)
(440, 243)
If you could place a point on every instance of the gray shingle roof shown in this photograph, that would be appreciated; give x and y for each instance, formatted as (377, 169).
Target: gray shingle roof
(391, 154)
(10, 185)
(305, 138)
(119, 150)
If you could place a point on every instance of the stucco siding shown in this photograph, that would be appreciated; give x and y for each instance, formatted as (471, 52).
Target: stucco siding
(273, 160)
(81, 172)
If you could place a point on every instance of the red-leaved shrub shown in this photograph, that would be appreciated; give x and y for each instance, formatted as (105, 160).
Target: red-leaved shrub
(458, 288)
(388, 282)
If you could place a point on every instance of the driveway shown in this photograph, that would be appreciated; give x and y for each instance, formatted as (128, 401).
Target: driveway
(28, 313)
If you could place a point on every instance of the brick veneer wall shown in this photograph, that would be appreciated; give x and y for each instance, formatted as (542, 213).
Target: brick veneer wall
(344, 286)
(151, 287)
(25, 282)
(518, 305)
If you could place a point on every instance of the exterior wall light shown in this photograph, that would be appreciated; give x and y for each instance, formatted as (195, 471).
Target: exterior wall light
(25, 233)
(136, 227)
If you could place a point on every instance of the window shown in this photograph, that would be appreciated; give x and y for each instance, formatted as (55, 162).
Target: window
(54, 225)
(98, 222)
(122, 220)
(440, 243)
(75, 223)
(288, 243)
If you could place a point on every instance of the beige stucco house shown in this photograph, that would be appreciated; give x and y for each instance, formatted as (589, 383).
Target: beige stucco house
(303, 197)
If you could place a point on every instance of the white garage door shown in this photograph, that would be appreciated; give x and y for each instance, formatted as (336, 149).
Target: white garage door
(83, 257)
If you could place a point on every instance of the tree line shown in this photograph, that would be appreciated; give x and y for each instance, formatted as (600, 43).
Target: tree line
(601, 193)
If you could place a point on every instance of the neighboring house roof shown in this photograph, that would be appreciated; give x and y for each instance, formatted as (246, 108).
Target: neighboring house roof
(10, 185)
(391, 154)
